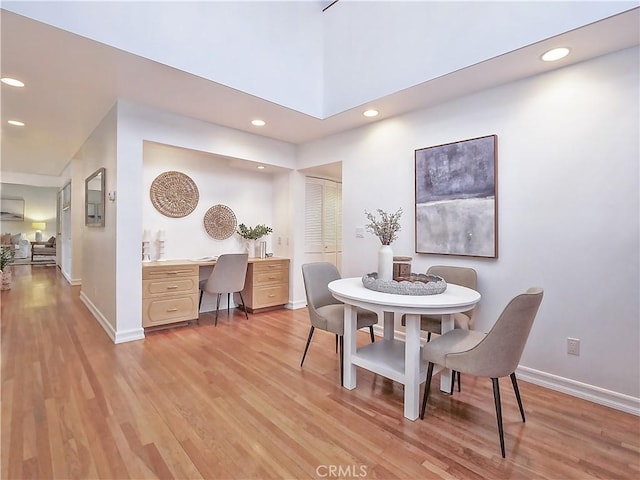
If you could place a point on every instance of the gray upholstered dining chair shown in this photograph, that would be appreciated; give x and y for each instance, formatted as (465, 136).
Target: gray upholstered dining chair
(325, 311)
(492, 355)
(465, 276)
(228, 277)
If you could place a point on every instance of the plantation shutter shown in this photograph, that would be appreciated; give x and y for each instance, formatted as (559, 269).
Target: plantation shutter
(313, 217)
(323, 216)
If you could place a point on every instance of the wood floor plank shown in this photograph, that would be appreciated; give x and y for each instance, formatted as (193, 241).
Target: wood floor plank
(232, 402)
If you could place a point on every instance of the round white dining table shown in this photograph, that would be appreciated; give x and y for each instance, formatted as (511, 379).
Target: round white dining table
(394, 358)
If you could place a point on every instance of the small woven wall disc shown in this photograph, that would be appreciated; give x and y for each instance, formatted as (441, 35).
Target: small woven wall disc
(220, 222)
(174, 194)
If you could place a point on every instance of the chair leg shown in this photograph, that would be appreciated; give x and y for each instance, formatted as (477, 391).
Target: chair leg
(454, 375)
(341, 342)
(373, 338)
(336, 343)
(217, 307)
(514, 382)
(496, 397)
(428, 336)
(228, 302)
(200, 302)
(311, 330)
(244, 307)
(426, 390)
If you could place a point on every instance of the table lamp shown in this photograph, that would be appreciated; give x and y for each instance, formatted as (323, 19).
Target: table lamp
(38, 227)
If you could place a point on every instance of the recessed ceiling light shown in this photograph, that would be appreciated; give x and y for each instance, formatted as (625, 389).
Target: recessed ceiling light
(260, 167)
(11, 81)
(258, 123)
(555, 54)
(370, 113)
(15, 123)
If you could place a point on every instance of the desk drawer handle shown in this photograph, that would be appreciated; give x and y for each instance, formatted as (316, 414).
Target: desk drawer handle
(172, 287)
(273, 278)
(271, 296)
(170, 272)
(172, 309)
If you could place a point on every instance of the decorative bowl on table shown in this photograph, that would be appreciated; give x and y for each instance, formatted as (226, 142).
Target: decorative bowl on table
(414, 284)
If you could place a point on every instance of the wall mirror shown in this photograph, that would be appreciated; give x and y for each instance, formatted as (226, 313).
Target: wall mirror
(94, 199)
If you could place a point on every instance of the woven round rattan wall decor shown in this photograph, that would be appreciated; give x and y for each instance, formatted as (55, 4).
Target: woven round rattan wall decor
(174, 194)
(220, 222)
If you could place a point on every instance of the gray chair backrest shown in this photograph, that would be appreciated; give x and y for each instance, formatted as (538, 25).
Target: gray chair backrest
(498, 354)
(317, 277)
(465, 276)
(228, 274)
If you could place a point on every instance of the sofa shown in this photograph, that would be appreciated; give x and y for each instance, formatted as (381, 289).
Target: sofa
(21, 246)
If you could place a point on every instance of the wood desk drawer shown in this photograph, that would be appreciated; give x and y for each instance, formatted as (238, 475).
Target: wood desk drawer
(269, 296)
(277, 275)
(267, 284)
(270, 266)
(177, 285)
(168, 271)
(159, 311)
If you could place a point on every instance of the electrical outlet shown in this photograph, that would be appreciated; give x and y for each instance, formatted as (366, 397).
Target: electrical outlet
(573, 346)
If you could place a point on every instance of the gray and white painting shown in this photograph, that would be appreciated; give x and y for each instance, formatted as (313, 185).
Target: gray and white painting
(456, 198)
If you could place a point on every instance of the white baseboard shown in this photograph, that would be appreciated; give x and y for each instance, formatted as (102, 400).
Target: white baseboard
(72, 281)
(129, 335)
(608, 398)
(115, 336)
(296, 305)
(601, 396)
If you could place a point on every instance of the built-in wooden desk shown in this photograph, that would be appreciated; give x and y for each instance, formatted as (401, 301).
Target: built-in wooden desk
(170, 291)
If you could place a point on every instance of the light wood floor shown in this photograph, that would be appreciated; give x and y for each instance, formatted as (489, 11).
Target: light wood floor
(231, 402)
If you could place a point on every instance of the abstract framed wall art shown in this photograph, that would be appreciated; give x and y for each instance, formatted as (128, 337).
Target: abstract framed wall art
(457, 198)
(12, 209)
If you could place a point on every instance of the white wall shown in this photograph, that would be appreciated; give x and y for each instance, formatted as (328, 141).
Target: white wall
(39, 206)
(373, 49)
(568, 182)
(73, 234)
(98, 245)
(248, 193)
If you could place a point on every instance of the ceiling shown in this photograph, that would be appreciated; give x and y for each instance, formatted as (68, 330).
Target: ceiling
(72, 82)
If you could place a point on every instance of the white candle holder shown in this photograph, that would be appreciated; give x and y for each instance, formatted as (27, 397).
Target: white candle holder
(145, 252)
(161, 240)
(146, 257)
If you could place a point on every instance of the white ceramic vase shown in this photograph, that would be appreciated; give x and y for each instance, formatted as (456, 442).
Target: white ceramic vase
(385, 263)
(251, 248)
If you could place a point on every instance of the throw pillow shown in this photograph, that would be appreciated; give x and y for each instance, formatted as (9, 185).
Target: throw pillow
(52, 241)
(15, 239)
(6, 239)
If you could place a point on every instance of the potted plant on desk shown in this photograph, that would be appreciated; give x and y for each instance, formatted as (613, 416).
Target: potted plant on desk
(6, 257)
(251, 235)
